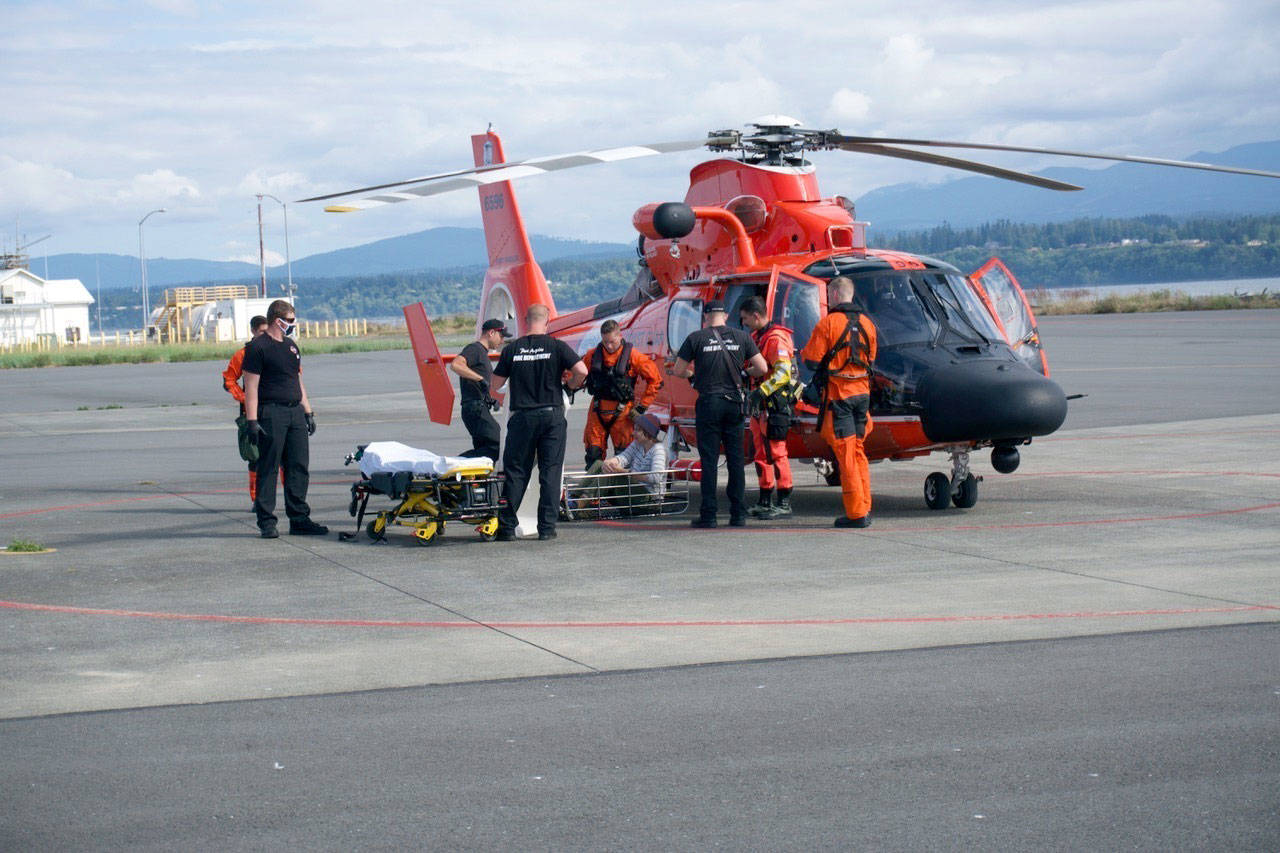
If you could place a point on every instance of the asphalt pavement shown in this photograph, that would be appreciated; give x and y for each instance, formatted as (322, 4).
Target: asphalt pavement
(943, 679)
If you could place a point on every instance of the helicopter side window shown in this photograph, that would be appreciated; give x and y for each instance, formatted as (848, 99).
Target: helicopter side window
(895, 308)
(799, 312)
(683, 317)
(735, 295)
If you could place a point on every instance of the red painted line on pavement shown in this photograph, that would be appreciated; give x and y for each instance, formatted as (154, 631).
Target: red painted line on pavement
(797, 528)
(676, 623)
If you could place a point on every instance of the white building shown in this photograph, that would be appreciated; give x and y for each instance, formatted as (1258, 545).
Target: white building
(34, 309)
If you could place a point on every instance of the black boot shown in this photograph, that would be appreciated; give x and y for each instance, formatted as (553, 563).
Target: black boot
(782, 508)
(764, 506)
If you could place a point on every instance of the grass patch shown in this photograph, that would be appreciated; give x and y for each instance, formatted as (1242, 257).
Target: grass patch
(111, 354)
(1049, 303)
(25, 546)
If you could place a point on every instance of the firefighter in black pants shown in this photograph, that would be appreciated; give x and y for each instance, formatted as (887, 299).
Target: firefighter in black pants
(279, 415)
(534, 367)
(475, 377)
(715, 356)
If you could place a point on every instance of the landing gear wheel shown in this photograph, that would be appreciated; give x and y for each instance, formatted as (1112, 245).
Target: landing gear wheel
(428, 533)
(488, 530)
(967, 494)
(829, 470)
(377, 529)
(937, 490)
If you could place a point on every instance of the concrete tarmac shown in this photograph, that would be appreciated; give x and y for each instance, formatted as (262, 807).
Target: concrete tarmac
(1154, 508)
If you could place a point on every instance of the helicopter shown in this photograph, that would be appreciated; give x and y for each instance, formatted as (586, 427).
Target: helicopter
(960, 368)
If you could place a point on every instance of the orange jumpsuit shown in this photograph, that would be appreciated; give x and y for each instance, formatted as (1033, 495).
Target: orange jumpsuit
(231, 376)
(609, 419)
(773, 467)
(231, 382)
(848, 389)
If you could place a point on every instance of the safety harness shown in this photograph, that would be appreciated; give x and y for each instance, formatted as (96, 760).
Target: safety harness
(611, 383)
(857, 355)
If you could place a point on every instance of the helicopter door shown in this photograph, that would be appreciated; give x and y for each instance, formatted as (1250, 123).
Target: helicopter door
(1004, 298)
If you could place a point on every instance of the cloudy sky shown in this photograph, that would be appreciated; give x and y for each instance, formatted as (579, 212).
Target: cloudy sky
(116, 108)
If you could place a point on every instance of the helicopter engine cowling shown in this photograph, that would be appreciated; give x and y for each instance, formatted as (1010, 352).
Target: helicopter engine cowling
(989, 400)
(669, 220)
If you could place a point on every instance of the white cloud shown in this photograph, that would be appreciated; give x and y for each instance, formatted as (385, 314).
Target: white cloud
(199, 107)
(273, 258)
(848, 106)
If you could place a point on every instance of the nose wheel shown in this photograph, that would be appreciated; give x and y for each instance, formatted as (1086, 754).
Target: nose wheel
(960, 489)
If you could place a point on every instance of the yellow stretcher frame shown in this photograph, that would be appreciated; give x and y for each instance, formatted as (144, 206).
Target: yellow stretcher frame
(467, 494)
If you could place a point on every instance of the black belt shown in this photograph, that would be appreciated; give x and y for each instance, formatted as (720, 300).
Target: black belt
(538, 409)
(289, 405)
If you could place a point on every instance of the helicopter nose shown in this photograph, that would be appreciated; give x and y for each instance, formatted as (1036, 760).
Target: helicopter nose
(989, 400)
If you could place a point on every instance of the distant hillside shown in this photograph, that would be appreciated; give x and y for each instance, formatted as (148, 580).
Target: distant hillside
(1120, 191)
(433, 249)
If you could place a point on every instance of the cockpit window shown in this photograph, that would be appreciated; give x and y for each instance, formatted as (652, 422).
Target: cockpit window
(967, 313)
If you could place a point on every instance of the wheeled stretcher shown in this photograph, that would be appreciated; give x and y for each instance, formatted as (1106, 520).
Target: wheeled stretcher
(427, 490)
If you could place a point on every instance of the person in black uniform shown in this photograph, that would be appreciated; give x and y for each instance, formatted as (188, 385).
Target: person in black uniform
(472, 366)
(279, 415)
(714, 356)
(534, 368)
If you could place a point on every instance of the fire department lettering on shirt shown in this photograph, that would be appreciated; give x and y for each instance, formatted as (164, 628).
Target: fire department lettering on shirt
(531, 355)
(713, 345)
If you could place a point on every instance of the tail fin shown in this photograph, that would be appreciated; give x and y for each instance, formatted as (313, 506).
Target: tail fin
(514, 281)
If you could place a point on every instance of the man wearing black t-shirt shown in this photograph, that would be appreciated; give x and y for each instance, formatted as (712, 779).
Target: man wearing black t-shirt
(534, 367)
(715, 356)
(279, 415)
(472, 366)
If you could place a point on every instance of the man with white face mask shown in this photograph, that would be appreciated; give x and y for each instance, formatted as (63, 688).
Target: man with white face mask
(279, 415)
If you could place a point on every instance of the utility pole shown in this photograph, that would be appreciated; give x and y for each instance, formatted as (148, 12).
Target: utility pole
(97, 271)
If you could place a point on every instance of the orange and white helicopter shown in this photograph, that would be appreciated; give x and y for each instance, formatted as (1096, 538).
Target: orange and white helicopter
(960, 366)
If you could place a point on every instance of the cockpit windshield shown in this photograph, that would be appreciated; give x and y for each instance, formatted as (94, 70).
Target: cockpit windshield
(966, 315)
(896, 309)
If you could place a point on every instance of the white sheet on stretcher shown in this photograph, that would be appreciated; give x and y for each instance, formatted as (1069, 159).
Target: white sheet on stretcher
(392, 456)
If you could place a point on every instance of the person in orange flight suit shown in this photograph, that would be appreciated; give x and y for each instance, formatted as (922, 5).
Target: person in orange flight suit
(841, 355)
(771, 402)
(231, 382)
(614, 368)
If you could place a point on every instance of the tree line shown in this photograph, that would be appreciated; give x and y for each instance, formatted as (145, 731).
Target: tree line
(1146, 249)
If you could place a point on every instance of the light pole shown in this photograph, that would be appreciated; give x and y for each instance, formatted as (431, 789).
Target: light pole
(288, 262)
(142, 259)
(262, 257)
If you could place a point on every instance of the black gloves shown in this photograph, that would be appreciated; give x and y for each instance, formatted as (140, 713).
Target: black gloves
(311, 423)
(755, 403)
(255, 430)
(492, 403)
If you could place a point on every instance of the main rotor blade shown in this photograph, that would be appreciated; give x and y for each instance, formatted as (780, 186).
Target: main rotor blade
(444, 182)
(955, 163)
(1122, 158)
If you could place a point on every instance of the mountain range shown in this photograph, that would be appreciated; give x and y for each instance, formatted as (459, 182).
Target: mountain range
(1119, 191)
(435, 248)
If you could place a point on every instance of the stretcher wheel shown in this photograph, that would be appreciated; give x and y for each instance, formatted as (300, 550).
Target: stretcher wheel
(377, 528)
(937, 490)
(967, 495)
(427, 533)
(488, 530)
